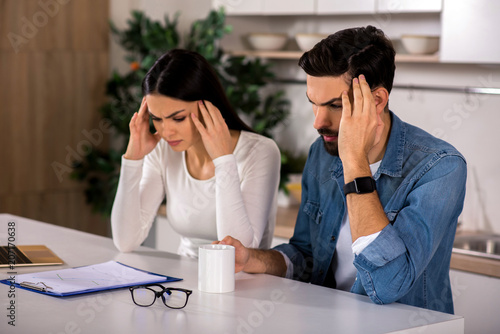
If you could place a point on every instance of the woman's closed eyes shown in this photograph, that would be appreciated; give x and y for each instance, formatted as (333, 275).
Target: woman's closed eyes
(177, 119)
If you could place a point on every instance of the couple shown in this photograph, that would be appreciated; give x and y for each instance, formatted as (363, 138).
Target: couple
(380, 197)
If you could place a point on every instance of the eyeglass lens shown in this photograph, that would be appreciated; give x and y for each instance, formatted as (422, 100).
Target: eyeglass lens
(175, 298)
(144, 296)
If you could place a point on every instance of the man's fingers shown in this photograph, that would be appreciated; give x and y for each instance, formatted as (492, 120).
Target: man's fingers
(228, 240)
(346, 105)
(366, 93)
(357, 96)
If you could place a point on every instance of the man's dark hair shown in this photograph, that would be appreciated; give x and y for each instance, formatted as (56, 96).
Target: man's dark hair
(355, 51)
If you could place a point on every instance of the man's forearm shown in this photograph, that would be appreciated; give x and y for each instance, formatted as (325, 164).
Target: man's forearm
(366, 214)
(266, 262)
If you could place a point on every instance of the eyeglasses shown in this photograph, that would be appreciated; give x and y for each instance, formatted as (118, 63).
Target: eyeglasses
(145, 295)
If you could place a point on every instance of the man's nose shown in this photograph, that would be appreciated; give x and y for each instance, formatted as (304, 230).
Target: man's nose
(321, 119)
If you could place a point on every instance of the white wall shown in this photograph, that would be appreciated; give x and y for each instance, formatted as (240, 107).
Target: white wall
(190, 10)
(468, 122)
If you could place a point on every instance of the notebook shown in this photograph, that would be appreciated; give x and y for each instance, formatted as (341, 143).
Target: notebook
(29, 255)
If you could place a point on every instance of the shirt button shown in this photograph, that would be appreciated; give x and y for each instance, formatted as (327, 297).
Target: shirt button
(333, 238)
(321, 272)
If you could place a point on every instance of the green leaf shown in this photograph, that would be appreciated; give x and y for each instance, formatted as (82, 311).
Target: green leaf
(144, 40)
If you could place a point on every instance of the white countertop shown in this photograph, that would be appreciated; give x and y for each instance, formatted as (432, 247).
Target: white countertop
(259, 304)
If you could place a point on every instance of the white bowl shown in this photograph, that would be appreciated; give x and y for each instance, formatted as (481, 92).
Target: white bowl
(307, 41)
(420, 44)
(267, 41)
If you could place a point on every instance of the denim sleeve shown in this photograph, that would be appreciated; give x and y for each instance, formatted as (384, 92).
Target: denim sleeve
(390, 265)
(298, 250)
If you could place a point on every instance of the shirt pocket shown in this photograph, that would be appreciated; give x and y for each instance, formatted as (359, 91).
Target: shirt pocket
(312, 210)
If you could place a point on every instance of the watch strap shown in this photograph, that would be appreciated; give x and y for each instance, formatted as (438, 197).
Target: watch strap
(360, 185)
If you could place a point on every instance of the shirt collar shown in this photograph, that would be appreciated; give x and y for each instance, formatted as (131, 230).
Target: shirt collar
(392, 162)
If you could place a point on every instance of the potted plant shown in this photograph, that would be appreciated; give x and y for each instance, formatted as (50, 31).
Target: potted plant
(144, 41)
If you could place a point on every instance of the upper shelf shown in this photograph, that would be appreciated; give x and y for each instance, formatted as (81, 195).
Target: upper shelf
(295, 55)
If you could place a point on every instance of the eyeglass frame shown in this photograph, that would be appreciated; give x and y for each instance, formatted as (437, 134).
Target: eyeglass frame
(159, 294)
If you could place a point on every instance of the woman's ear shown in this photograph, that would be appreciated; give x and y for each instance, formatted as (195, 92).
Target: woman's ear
(381, 97)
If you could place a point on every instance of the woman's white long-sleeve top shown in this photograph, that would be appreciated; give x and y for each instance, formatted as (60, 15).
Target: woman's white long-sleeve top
(240, 200)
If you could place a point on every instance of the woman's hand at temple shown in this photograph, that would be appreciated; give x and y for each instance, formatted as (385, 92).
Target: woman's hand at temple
(215, 132)
(141, 140)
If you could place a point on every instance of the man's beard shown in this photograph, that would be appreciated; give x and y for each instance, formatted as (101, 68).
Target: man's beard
(331, 148)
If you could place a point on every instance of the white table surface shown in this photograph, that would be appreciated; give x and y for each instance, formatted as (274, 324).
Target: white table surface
(259, 304)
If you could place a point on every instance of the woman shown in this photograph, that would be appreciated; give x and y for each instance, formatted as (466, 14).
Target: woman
(219, 178)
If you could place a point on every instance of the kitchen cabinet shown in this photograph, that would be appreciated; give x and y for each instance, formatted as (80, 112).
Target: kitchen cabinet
(476, 298)
(409, 6)
(467, 28)
(267, 7)
(328, 7)
(288, 7)
(240, 7)
(469, 31)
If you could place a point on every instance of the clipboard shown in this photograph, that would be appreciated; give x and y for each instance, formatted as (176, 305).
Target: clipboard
(79, 280)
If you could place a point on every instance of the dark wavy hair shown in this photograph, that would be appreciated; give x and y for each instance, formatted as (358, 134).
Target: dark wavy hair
(187, 76)
(355, 51)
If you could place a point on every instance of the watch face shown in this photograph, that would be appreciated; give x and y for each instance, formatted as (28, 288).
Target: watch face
(364, 185)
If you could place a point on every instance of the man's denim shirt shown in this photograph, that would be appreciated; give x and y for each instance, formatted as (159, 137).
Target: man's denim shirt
(421, 185)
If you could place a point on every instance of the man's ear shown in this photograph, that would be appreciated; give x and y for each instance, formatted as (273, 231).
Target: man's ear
(381, 97)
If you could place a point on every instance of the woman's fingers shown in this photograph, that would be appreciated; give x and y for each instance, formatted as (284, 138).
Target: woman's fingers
(198, 125)
(207, 118)
(143, 111)
(212, 116)
(214, 113)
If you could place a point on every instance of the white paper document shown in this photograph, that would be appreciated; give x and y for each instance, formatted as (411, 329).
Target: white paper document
(103, 276)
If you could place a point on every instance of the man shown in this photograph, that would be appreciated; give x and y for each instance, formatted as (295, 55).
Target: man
(380, 197)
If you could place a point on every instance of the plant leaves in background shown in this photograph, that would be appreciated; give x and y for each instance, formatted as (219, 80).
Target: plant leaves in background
(144, 41)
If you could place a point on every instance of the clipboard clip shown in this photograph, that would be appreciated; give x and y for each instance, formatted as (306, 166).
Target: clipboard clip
(35, 286)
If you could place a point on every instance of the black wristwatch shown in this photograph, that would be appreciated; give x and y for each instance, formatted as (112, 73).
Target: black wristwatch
(360, 185)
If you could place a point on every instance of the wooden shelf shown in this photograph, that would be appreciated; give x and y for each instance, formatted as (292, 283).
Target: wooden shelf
(407, 58)
(285, 221)
(267, 54)
(295, 55)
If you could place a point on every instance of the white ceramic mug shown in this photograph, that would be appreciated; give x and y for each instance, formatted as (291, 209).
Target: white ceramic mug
(216, 268)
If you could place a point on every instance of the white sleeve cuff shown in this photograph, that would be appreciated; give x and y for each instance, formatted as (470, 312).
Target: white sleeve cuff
(223, 158)
(132, 163)
(362, 242)
(289, 266)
